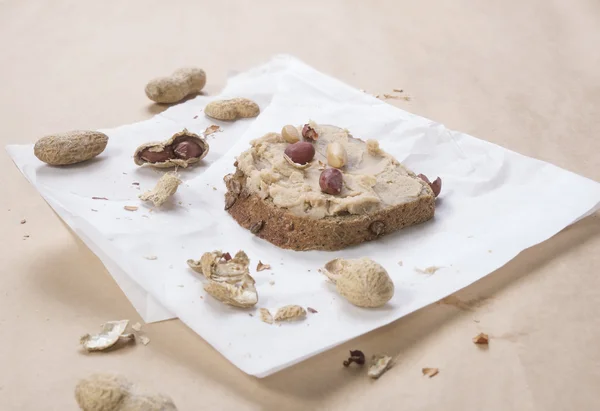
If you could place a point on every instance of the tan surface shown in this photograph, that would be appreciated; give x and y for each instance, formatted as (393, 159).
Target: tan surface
(521, 75)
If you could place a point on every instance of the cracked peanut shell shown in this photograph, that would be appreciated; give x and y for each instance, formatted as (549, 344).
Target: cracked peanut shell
(363, 282)
(164, 154)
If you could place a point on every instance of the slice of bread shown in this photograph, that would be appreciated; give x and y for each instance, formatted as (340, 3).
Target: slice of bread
(281, 204)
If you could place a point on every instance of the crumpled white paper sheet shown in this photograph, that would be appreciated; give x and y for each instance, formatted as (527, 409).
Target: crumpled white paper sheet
(494, 204)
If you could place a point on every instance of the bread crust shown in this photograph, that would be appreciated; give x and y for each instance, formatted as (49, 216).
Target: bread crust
(289, 231)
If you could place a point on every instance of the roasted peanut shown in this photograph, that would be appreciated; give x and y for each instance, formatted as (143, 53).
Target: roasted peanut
(331, 181)
(336, 155)
(290, 134)
(71, 147)
(309, 133)
(176, 87)
(229, 110)
(300, 152)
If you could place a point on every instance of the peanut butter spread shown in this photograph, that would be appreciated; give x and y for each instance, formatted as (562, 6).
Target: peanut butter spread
(373, 179)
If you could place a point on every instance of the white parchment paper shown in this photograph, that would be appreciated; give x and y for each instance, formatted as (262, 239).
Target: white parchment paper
(494, 204)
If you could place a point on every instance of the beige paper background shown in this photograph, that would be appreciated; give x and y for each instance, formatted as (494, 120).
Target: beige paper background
(520, 74)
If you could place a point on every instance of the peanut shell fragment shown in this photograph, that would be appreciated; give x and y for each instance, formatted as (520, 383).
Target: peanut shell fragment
(109, 392)
(265, 316)
(177, 86)
(70, 147)
(290, 313)
(481, 338)
(379, 364)
(165, 187)
(229, 110)
(430, 372)
(261, 266)
(229, 279)
(181, 150)
(109, 336)
(363, 282)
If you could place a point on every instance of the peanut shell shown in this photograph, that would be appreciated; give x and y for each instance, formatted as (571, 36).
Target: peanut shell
(177, 86)
(110, 392)
(363, 282)
(70, 147)
(167, 145)
(229, 110)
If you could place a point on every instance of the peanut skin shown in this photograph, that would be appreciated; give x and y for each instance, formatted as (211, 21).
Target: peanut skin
(157, 156)
(187, 150)
(179, 85)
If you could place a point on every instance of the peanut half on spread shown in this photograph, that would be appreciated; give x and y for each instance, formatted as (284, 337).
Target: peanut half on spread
(181, 150)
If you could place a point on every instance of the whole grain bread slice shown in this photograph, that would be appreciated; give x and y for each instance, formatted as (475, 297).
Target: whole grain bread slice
(289, 231)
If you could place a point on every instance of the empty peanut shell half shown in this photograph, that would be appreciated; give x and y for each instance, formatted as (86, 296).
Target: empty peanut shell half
(181, 150)
(229, 110)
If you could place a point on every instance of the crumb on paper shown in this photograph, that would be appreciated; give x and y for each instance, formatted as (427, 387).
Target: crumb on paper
(214, 188)
(481, 338)
(379, 364)
(195, 117)
(94, 210)
(430, 372)
(400, 263)
(180, 285)
(475, 321)
(130, 208)
(356, 356)
(150, 257)
(211, 130)
(144, 340)
(251, 315)
(99, 198)
(489, 251)
(429, 270)
(23, 221)
(135, 183)
(397, 90)
(272, 282)
(265, 316)
(311, 310)
(136, 327)
(262, 266)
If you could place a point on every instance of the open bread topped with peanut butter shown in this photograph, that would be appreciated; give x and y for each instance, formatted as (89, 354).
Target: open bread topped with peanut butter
(318, 187)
